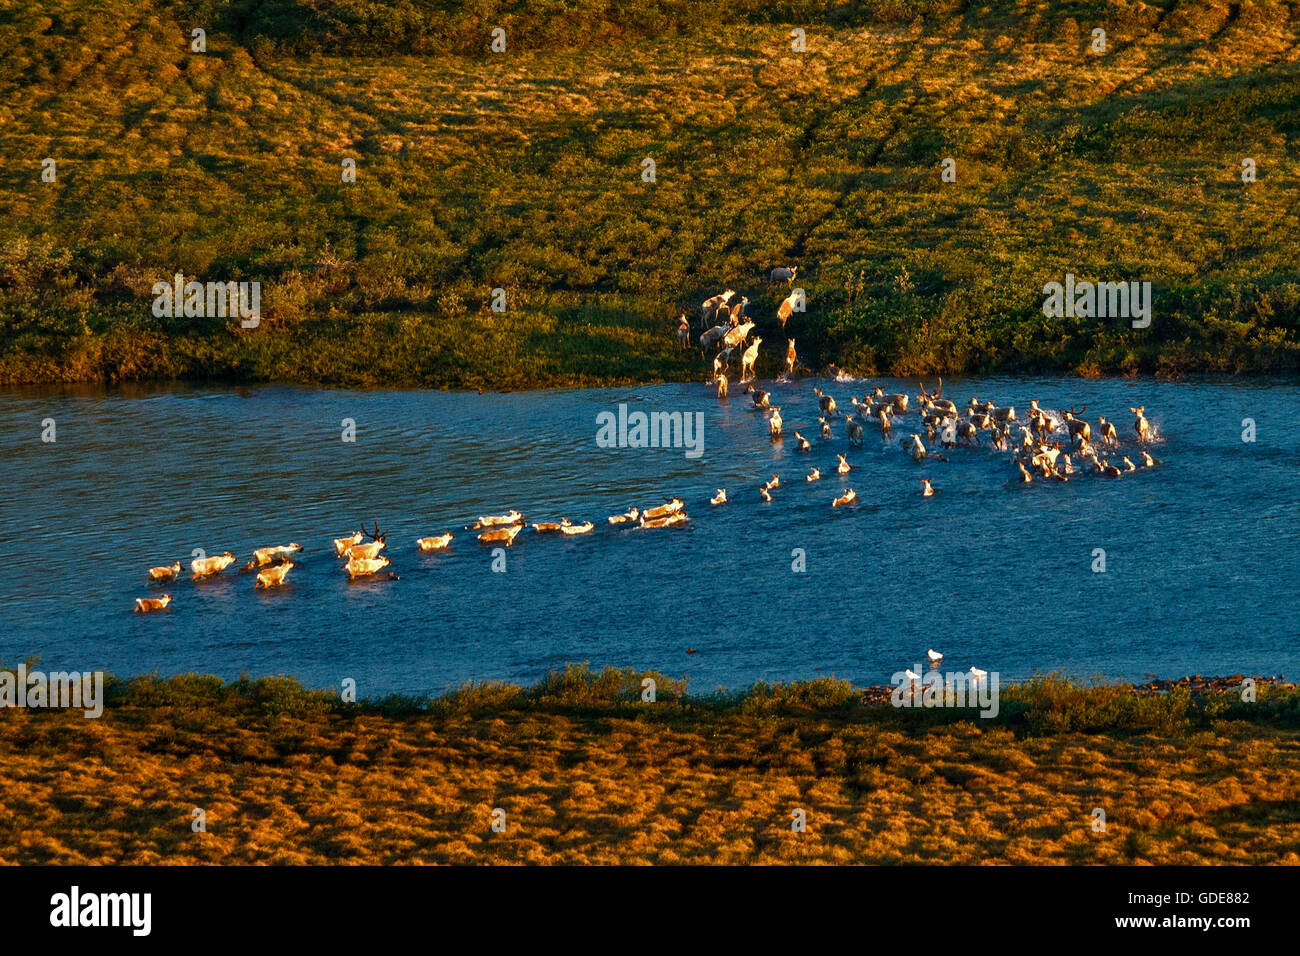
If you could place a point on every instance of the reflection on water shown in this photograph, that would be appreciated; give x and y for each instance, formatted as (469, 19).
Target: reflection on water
(1201, 552)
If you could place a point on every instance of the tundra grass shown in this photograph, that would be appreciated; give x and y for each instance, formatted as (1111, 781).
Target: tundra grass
(522, 171)
(588, 773)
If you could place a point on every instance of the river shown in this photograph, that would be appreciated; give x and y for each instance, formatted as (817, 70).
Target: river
(1200, 551)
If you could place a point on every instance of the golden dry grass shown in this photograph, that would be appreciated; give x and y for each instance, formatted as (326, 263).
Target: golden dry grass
(701, 784)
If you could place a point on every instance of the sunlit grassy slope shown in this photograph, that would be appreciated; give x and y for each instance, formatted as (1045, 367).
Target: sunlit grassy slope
(522, 170)
(587, 773)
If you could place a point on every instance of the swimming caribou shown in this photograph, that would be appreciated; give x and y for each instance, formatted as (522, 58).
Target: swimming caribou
(364, 567)
(165, 573)
(205, 567)
(504, 535)
(1034, 452)
(264, 556)
(274, 577)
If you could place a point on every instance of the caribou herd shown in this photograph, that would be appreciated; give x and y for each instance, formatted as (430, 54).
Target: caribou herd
(1044, 445)
(1036, 443)
(1048, 445)
(725, 325)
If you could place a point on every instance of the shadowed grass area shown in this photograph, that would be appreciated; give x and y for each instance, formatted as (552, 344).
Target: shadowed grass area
(587, 771)
(522, 171)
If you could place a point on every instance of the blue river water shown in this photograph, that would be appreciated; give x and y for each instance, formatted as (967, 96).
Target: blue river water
(1200, 551)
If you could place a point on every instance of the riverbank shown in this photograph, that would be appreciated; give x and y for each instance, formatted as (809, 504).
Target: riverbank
(524, 172)
(420, 352)
(585, 771)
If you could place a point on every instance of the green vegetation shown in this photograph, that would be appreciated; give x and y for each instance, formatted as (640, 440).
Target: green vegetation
(522, 170)
(587, 772)
(1044, 705)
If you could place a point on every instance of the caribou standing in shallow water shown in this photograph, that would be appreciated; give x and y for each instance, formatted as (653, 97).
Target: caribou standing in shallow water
(1141, 426)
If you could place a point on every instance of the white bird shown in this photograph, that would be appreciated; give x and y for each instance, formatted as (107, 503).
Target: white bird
(935, 656)
(977, 674)
(912, 676)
